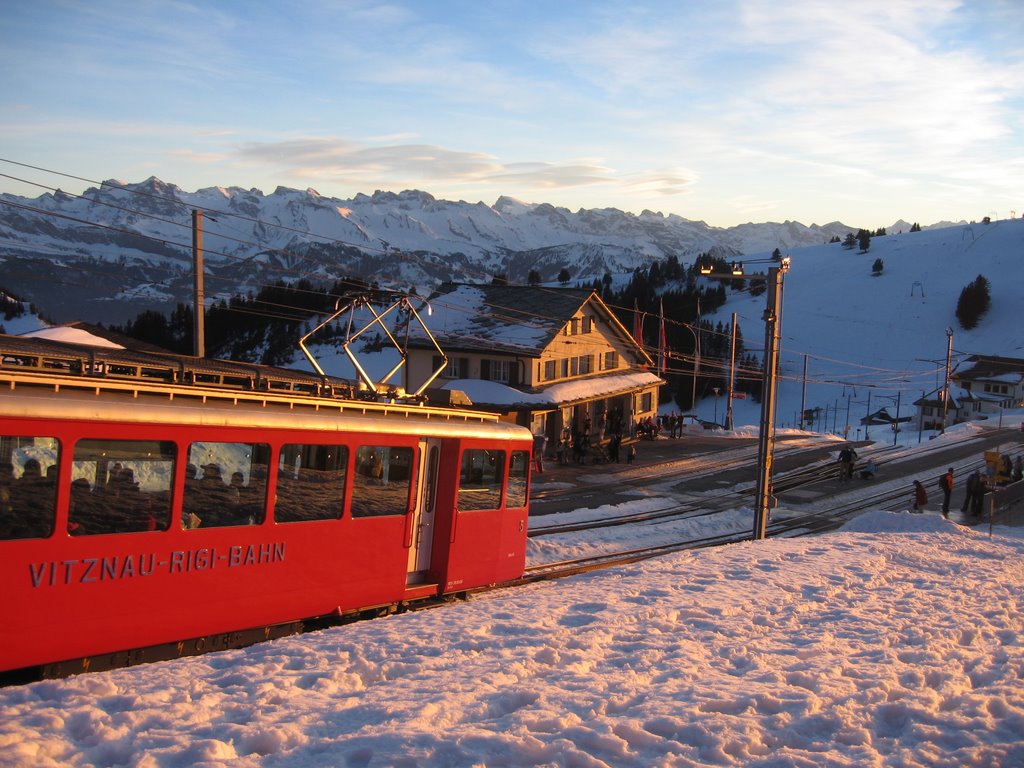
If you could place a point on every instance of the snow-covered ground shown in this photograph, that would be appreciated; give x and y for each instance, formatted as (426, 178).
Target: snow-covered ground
(898, 641)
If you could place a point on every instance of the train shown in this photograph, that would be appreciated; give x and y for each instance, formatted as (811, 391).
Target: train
(156, 505)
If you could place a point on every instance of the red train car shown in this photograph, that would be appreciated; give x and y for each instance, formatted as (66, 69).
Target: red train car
(172, 504)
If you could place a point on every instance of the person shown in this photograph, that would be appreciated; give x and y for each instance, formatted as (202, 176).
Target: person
(237, 486)
(946, 485)
(970, 485)
(846, 458)
(978, 496)
(631, 453)
(539, 441)
(1018, 469)
(613, 447)
(920, 497)
(868, 473)
(6, 481)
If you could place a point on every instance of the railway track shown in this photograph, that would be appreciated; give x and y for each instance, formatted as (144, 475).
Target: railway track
(890, 495)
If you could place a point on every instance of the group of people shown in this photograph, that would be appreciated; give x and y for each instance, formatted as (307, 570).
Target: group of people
(847, 462)
(26, 502)
(975, 488)
(582, 441)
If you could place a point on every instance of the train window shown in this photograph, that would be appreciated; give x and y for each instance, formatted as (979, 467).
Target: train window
(310, 483)
(480, 479)
(518, 472)
(120, 486)
(225, 484)
(28, 483)
(382, 481)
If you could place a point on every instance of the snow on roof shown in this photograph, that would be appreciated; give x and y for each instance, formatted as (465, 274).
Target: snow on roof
(493, 393)
(519, 319)
(72, 336)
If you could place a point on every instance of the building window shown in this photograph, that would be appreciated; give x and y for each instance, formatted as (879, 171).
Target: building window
(586, 364)
(549, 369)
(588, 324)
(564, 366)
(457, 367)
(611, 360)
(645, 401)
(498, 370)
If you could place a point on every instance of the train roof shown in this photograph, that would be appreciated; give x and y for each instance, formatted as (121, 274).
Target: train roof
(96, 382)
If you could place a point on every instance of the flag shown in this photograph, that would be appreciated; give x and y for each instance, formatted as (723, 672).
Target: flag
(662, 345)
(638, 325)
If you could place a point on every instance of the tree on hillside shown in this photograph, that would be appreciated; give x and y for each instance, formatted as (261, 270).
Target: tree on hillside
(864, 240)
(776, 255)
(11, 305)
(880, 232)
(877, 267)
(850, 241)
(564, 276)
(974, 302)
(533, 278)
(915, 227)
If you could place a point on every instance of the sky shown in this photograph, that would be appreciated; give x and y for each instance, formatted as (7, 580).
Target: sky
(747, 110)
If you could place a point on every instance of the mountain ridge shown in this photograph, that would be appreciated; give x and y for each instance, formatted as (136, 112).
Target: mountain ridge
(128, 245)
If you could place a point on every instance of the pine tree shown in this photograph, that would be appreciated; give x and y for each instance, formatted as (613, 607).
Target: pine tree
(975, 300)
(877, 267)
(864, 240)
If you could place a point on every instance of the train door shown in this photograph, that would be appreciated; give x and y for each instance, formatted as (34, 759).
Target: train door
(423, 515)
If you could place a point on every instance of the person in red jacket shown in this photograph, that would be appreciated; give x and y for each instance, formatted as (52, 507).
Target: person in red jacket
(920, 497)
(946, 484)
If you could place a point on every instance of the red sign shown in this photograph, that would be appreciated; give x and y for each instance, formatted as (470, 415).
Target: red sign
(739, 395)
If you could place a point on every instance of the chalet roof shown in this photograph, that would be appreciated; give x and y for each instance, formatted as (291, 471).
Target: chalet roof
(512, 319)
(490, 393)
(990, 368)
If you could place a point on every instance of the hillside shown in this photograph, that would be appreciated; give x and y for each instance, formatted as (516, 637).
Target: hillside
(885, 334)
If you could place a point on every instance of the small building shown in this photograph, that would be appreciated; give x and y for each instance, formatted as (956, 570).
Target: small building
(549, 359)
(993, 382)
(980, 386)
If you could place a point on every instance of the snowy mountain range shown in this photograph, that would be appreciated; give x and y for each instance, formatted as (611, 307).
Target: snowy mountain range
(118, 249)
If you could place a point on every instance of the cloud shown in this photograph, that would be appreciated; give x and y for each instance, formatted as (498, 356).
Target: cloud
(341, 160)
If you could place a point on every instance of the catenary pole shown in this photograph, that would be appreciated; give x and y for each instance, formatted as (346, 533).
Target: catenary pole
(766, 437)
(198, 309)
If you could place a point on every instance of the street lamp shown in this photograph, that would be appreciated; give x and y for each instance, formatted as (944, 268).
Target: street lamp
(772, 337)
(696, 362)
